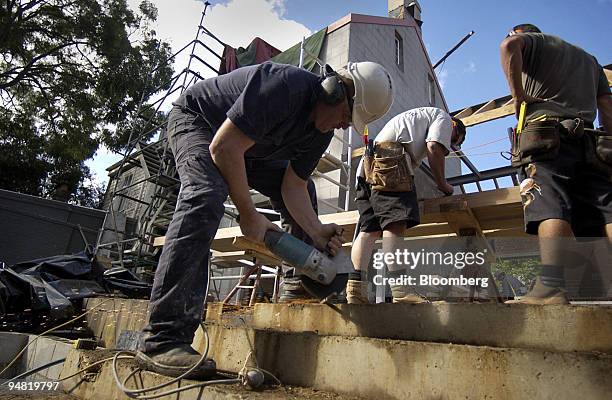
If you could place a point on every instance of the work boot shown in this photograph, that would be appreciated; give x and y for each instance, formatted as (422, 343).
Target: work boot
(410, 299)
(292, 291)
(542, 295)
(406, 295)
(176, 360)
(357, 292)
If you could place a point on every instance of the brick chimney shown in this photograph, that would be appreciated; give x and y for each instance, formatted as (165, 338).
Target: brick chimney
(403, 8)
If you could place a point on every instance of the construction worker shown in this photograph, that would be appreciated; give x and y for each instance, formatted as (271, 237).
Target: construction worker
(264, 127)
(565, 171)
(388, 204)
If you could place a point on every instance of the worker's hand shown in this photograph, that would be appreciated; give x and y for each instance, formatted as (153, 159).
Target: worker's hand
(328, 238)
(447, 189)
(254, 226)
(527, 99)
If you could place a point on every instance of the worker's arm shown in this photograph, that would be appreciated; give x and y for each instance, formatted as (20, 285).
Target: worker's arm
(297, 200)
(604, 105)
(227, 150)
(435, 155)
(511, 50)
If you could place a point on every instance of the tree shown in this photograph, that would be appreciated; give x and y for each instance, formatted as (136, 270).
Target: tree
(72, 76)
(525, 269)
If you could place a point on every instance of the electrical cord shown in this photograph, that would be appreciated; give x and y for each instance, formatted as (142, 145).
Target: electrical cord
(247, 376)
(34, 370)
(49, 331)
(140, 393)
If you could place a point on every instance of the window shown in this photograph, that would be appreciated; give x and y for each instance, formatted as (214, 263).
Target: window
(431, 90)
(399, 51)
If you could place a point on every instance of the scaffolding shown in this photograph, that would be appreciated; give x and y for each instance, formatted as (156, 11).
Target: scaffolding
(140, 210)
(157, 187)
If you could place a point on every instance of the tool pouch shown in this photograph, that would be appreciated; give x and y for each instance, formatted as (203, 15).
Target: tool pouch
(599, 152)
(538, 141)
(603, 148)
(388, 170)
(574, 128)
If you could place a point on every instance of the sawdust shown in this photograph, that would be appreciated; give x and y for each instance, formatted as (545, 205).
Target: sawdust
(37, 396)
(284, 392)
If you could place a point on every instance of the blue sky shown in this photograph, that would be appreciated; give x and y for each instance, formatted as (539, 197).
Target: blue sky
(471, 75)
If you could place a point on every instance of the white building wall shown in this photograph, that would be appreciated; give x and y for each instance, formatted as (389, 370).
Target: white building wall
(376, 42)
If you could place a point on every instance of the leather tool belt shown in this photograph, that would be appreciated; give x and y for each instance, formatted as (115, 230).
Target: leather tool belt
(388, 170)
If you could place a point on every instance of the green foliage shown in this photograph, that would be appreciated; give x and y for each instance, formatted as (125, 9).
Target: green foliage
(523, 269)
(72, 76)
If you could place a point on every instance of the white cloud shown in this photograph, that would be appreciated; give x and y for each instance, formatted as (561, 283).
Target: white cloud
(471, 67)
(442, 76)
(235, 22)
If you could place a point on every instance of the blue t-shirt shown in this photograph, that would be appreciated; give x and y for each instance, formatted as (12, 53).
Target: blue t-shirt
(271, 103)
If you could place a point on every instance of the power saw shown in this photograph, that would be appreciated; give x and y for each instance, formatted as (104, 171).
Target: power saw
(322, 275)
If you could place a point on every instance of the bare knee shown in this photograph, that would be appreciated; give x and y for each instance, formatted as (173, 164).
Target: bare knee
(395, 229)
(554, 228)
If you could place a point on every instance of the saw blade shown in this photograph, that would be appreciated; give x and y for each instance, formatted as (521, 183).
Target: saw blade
(321, 291)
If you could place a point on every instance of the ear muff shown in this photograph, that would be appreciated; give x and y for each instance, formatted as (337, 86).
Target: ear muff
(334, 91)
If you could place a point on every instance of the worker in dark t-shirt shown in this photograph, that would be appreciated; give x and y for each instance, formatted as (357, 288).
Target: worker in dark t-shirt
(263, 127)
(564, 165)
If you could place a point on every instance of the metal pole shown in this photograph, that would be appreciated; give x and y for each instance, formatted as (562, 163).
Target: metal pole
(301, 64)
(451, 51)
(206, 4)
(349, 161)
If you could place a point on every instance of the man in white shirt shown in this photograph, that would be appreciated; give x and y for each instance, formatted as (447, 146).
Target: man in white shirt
(422, 132)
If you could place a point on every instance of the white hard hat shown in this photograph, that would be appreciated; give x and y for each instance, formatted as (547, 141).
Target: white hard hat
(373, 92)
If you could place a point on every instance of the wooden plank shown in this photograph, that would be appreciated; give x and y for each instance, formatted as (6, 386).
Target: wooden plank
(490, 115)
(461, 218)
(490, 105)
(257, 250)
(499, 208)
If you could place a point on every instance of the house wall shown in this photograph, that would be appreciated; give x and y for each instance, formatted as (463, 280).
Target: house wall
(414, 83)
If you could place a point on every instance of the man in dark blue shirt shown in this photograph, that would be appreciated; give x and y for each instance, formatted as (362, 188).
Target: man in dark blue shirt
(264, 127)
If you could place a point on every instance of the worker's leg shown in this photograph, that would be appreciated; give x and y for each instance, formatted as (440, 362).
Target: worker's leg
(396, 212)
(549, 203)
(361, 254)
(392, 236)
(361, 251)
(363, 245)
(181, 278)
(266, 177)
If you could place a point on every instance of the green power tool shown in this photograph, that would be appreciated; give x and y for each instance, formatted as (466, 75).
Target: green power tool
(322, 275)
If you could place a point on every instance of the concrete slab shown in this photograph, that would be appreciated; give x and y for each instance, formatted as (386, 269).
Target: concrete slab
(394, 369)
(102, 385)
(108, 320)
(42, 351)
(555, 328)
(12, 344)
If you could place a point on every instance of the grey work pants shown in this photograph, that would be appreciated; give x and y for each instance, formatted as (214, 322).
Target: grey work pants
(181, 278)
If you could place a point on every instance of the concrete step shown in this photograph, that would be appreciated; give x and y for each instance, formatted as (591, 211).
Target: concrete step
(554, 328)
(387, 351)
(401, 369)
(102, 386)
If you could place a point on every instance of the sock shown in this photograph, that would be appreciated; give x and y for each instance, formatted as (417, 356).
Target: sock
(356, 276)
(550, 281)
(552, 275)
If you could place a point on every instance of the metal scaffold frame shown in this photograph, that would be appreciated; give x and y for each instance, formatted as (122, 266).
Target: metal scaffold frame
(156, 159)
